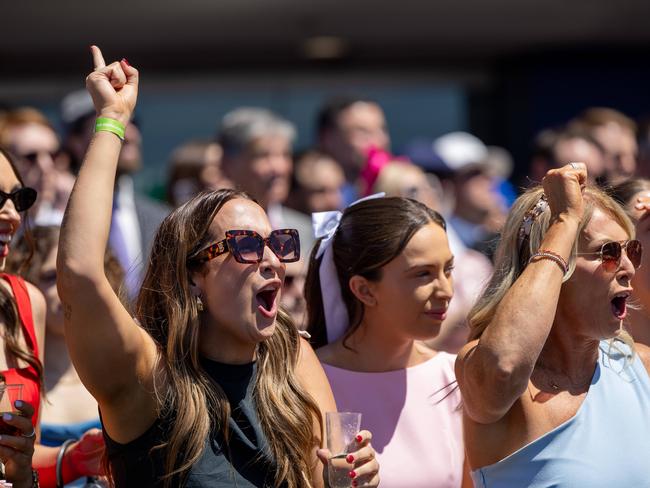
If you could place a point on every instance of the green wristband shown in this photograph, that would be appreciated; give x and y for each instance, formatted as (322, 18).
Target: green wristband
(110, 125)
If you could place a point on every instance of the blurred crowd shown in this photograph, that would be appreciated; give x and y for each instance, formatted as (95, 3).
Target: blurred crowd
(457, 174)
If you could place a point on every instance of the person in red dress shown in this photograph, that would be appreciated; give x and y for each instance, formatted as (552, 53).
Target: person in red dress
(22, 320)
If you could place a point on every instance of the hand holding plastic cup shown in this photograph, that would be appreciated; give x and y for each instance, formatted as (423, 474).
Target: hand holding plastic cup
(8, 396)
(341, 429)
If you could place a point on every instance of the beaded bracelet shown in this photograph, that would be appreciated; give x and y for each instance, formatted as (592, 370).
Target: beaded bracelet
(553, 256)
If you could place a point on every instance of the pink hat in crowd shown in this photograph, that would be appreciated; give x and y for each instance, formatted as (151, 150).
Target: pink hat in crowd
(375, 162)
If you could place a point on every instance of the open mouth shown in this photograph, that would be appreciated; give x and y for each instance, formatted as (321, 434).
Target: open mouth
(619, 306)
(266, 301)
(5, 239)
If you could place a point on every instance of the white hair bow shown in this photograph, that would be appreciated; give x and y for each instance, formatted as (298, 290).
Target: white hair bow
(325, 225)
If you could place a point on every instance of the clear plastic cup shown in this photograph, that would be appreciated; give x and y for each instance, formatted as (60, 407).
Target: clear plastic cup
(341, 429)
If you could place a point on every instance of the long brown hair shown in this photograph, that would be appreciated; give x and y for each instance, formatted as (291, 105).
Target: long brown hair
(168, 311)
(8, 310)
(370, 235)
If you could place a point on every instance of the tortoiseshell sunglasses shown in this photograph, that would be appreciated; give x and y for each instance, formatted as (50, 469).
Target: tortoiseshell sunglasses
(247, 246)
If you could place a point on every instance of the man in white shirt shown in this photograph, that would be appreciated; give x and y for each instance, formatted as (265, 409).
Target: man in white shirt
(135, 218)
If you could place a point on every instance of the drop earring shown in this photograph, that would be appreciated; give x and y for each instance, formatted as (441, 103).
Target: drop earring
(199, 304)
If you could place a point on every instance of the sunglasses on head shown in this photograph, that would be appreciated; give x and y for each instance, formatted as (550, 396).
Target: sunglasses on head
(611, 252)
(247, 246)
(23, 198)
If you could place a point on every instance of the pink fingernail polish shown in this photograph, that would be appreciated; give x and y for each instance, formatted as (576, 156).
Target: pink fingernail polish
(352, 474)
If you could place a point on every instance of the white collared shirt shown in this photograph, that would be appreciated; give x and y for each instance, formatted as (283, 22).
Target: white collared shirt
(126, 217)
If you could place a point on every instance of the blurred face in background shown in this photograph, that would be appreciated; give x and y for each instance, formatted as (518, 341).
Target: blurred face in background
(194, 167)
(621, 150)
(359, 127)
(320, 181)
(263, 169)
(399, 179)
(476, 199)
(36, 147)
(577, 149)
(130, 160)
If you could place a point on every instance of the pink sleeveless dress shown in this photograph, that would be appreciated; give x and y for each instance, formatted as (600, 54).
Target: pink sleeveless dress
(415, 419)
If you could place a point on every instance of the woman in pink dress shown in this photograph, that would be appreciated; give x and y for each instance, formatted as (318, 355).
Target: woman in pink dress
(379, 282)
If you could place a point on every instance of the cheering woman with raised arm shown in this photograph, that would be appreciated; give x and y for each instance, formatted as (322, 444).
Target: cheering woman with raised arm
(555, 393)
(207, 385)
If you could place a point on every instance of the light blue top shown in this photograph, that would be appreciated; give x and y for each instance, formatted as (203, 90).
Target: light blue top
(605, 445)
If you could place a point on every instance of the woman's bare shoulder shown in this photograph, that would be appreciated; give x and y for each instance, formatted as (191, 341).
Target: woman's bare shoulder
(332, 354)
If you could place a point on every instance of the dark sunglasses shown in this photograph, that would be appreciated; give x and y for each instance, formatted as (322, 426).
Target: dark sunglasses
(247, 246)
(611, 252)
(23, 198)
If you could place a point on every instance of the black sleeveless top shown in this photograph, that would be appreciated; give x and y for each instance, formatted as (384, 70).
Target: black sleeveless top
(244, 463)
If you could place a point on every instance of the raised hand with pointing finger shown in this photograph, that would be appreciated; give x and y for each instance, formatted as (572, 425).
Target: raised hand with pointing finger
(113, 88)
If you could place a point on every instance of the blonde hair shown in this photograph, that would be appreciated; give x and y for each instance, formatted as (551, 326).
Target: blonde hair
(391, 177)
(168, 311)
(396, 180)
(511, 257)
